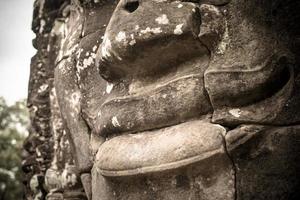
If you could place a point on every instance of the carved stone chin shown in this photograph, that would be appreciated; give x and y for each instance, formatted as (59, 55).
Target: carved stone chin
(166, 100)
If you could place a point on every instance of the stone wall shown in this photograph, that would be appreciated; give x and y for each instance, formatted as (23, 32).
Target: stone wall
(49, 166)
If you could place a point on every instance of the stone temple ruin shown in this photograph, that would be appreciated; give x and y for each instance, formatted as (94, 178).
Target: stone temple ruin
(164, 100)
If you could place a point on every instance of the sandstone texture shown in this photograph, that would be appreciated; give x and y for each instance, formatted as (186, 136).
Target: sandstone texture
(164, 100)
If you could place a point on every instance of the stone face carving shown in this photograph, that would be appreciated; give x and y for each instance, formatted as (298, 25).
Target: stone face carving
(161, 99)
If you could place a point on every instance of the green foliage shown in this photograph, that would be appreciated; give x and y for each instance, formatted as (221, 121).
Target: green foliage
(13, 130)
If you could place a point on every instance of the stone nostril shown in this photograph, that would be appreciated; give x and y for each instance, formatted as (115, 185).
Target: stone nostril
(131, 6)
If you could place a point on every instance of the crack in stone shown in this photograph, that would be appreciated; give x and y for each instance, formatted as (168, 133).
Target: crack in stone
(233, 166)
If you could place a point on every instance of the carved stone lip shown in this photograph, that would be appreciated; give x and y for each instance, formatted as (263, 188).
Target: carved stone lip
(171, 103)
(159, 150)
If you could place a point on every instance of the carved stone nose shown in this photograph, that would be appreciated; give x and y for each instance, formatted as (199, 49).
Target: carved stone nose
(146, 37)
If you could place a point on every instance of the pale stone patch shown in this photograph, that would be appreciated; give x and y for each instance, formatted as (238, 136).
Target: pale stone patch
(64, 143)
(105, 47)
(34, 183)
(88, 62)
(93, 55)
(43, 88)
(223, 45)
(160, 1)
(78, 53)
(94, 48)
(180, 5)
(99, 113)
(178, 29)
(38, 152)
(74, 101)
(121, 37)
(115, 122)
(151, 30)
(109, 88)
(42, 138)
(48, 48)
(163, 19)
(68, 178)
(34, 109)
(235, 112)
(133, 41)
(137, 27)
(42, 25)
(41, 7)
(75, 98)
(119, 58)
(58, 29)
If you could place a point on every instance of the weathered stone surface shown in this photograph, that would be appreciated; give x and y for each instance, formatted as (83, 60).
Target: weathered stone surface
(169, 31)
(169, 103)
(161, 150)
(212, 178)
(163, 99)
(97, 18)
(166, 164)
(267, 161)
(86, 180)
(39, 143)
(70, 105)
(47, 144)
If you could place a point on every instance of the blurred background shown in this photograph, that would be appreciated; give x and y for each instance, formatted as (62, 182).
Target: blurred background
(15, 53)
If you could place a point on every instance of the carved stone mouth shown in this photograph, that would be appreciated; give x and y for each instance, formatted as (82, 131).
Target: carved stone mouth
(159, 150)
(154, 148)
(171, 104)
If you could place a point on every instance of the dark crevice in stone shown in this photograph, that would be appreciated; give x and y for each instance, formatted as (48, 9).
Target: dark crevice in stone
(62, 59)
(276, 82)
(131, 6)
(182, 181)
(233, 166)
(210, 2)
(204, 84)
(230, 128)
